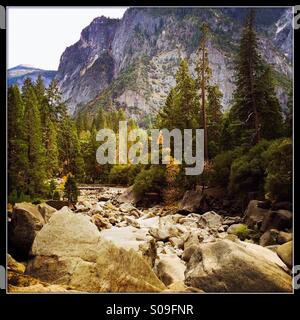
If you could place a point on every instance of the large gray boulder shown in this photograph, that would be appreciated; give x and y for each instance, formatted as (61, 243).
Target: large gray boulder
(227, 266)
(133, 238)
(128, 196)
(26, 221)
(254, 215)
(46, 211)
(170, 269)
(280, 220)
(70, 251)
(193, 201)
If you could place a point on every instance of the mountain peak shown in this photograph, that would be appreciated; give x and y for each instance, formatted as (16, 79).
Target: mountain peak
(24, 66)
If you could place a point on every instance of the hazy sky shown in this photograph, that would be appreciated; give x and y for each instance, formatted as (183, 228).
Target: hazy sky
(38, 35)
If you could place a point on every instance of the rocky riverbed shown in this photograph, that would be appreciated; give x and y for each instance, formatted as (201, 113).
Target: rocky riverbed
(106, 243)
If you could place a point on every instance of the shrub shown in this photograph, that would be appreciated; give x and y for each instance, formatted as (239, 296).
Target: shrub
(56, 195)
(123, 174)
(221, 167)
(151, 180)
(52, 186)
(279, 162)
(70, 189)
(242, 231)
(248, 172)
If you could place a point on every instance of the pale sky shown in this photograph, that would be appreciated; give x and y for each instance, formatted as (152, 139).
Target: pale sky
(38, 35)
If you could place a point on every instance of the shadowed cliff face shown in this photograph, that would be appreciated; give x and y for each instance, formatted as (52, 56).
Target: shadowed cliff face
(132, 62)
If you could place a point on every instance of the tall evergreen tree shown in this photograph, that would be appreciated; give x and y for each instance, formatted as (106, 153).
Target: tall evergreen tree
(17, 146)
(100, 119)
(57, 108)
(204, 74)
(33, 136)
(69, 148)
(49, 128)
(255, 101)
(268, 107)
(214, 119)
(288, 123)
(248, 70)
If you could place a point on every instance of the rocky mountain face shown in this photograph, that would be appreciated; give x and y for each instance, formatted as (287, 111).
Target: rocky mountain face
(132, 62)
(17, 74)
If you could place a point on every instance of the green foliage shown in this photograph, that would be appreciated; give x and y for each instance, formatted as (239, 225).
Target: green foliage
(242, 231)
(56, 195)
(151, 180)
(248, 172)
(69, 148)
(17, 147)
(124, 174)
(214, 120)
(70, 189)
(279, 161)
(221, 167)
(35, 171)
(255, 101)
(51, 188)
(288, 123)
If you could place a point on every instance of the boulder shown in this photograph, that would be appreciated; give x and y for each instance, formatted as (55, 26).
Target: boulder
(57, 204)
(70, 251)
(190, 245)
(210, 219)
(169, 268)
(133, 238)
(254, 215)
(26, 221)
(128, 196)
(281, 220)
(231, 220)
(101, 222)
(130, 209)
(285, 205)
(164, 232)
(285, 252)
(269, 238)
(234, 228)
(284, 237)
(193, 201)
(46, 211)
(227, 266)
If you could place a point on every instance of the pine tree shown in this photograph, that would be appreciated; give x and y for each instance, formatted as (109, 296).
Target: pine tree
(248, 67)
(204, 74)
(168, 115)
(48, 125)
(214, 119)
(91, 166)
(288, 123)
(35, 174)
(17, 146)
(268, 107)
(186, 98)
(100, 119)
(69, 148)
(255, 101)
(57, 108)
(79, 123)
(40, 92)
